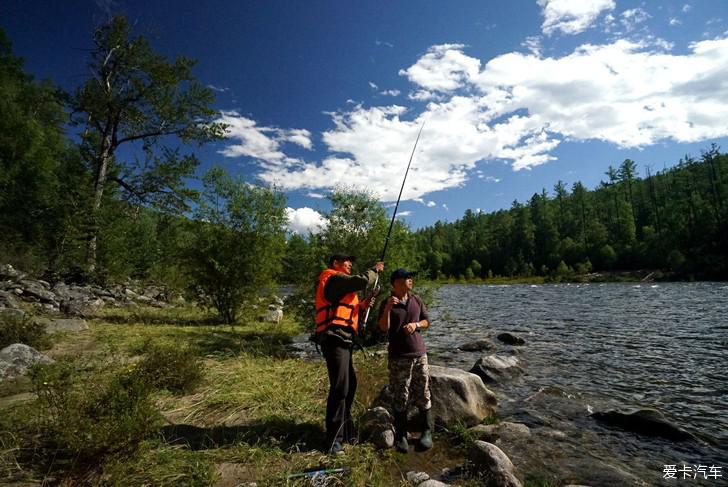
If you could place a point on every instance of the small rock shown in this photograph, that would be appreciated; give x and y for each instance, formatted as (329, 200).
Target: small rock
(66, 325)
(8, 272)
(12, 314)
(36, 290)
(433, 483)
(417, 477)
(495, 368)
(511, 339)
(272, 316)
(375, 426)
(478, 346)
(494, 432)
(490, 460)
(16, 359)
(7, 300)
(650, 422)
(130, 294)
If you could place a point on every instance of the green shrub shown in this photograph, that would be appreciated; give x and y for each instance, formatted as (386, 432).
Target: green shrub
(176, 369)
(84, 422)
(23, 330)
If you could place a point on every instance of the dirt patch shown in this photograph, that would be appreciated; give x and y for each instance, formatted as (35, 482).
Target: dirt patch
(234, 474)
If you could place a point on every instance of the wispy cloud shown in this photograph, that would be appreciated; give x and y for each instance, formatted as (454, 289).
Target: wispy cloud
(390, 93)
(633, 17)
(318, 196)
(571, 16)
(261, 143)
(218, 89)
(686, 8)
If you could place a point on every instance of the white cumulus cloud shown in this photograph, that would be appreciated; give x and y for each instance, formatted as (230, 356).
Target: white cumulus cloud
(305, 220)
(516, 107)
(571, 16)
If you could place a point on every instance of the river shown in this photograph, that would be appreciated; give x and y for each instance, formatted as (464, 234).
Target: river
(596, 347)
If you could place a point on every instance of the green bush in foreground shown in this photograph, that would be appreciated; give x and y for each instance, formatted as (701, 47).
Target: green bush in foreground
(84, 422)
(168, 367)
(23, 330)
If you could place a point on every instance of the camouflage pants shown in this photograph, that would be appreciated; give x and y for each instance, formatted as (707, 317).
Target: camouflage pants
(409, 380)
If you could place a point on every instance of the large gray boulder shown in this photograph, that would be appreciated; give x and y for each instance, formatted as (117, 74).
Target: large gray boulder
(375, 426)
(459, 396)
(490, 461)
(649, 422)
(496, 368)
(16, 359)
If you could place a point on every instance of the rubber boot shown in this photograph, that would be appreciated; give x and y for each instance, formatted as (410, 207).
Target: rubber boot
(428, 424)
(400, 432)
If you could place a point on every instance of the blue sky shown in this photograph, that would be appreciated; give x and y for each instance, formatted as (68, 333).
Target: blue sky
(515, 95)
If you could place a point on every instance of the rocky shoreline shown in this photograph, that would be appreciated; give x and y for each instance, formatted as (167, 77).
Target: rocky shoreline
(544, 433)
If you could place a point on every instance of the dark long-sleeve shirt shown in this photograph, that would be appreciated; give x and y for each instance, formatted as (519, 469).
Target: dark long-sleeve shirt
(339, 285)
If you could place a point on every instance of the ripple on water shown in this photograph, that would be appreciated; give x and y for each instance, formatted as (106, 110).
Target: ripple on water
(621, 345)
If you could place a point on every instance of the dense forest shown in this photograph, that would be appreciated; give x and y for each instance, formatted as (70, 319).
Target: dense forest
(75, 207)
(673, 220)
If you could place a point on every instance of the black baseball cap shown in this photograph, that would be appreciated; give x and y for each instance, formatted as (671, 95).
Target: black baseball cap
(401, 274)
(340, 257)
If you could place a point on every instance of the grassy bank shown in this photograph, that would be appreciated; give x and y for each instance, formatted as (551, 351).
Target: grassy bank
(112, 410)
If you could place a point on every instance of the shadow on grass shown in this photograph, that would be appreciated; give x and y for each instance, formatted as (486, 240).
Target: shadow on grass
(158, 317)
(206, 335)
(274, 432)
(223, 342)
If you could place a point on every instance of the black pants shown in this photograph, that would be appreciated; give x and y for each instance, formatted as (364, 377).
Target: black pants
(342, 387)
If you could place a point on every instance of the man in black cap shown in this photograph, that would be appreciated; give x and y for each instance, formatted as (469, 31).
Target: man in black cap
(337, 323)
(403, 316)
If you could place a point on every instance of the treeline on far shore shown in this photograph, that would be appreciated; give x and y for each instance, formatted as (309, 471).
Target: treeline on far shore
(98, 184)
(674, 221)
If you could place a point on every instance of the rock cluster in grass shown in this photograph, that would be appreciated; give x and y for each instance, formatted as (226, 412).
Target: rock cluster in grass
(75, 299)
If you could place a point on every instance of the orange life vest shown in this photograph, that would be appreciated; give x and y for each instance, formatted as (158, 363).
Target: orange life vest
(343, 313)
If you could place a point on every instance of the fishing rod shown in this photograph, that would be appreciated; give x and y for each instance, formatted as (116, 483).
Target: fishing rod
(324, 472)
(394, 215)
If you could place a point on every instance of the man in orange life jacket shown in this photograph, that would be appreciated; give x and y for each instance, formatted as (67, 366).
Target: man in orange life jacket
(337, 323)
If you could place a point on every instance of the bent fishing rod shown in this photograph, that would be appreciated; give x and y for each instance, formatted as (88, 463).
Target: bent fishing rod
(394, 215)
